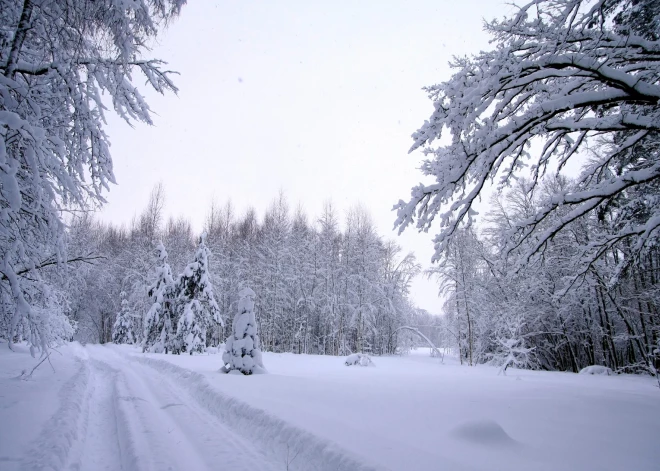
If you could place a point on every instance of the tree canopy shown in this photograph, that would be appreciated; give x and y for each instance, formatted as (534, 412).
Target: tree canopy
(579, 79)
(61, 65)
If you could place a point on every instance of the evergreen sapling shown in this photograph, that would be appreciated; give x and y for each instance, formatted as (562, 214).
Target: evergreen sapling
(242, 353)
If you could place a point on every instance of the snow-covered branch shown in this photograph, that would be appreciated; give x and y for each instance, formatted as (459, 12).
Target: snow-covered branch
(561, 77)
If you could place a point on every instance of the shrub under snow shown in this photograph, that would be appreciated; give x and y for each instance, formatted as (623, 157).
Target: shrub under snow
(358, 359)
(596, 370)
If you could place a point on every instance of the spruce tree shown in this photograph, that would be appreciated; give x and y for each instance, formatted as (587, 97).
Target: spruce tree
(196, 307)
(122, 330)
(158, 321)
(242, 352)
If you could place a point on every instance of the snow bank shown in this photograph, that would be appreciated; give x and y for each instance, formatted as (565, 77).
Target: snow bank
(64, 430)
(264, 428)
(32, 408)
(407, 413)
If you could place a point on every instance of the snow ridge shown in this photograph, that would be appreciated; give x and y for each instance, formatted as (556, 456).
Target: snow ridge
(312, 452)
(52, 448)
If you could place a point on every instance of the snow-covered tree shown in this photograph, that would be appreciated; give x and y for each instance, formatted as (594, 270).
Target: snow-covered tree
(57, 60)
(158, 320)
(457, 272)
(196, 307)
(566, 79)
(122, 330)
(511, 348)
(362, 253)
(274, 274)
(242, 350)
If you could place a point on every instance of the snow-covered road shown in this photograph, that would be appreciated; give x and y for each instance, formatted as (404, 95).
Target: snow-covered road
(138, 419)
(119, 414)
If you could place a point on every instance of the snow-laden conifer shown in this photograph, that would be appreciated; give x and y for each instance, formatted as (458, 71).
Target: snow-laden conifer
(158, 321)
(196, 307)
(122, 330)
(242, 350)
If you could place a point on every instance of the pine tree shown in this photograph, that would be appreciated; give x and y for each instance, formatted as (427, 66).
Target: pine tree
(122, 331)
(158, 321)
(196, 305)
(242, 352)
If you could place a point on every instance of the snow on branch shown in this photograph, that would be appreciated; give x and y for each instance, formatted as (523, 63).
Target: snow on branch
(57, 59)
(582, 79)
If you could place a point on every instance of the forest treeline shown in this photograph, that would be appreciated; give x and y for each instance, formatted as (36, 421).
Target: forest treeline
(557, 272)
(552, 312)
(323, 286)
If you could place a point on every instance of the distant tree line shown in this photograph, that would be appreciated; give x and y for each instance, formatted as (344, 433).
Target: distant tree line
(320, 289)
(559, 320)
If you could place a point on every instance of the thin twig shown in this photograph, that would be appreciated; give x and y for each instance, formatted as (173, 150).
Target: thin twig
(23, 376)
(49, 362)
(52, 348)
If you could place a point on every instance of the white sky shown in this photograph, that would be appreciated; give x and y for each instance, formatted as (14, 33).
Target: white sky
(316, 98)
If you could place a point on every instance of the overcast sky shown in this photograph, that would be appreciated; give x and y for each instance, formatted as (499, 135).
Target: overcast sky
(316, 98)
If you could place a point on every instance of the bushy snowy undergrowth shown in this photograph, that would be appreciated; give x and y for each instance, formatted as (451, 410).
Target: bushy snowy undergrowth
(596, 370)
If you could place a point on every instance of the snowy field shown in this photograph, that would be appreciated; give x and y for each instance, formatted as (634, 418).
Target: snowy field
(111, 407)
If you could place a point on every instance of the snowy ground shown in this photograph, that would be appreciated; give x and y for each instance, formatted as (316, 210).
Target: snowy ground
(109, 407)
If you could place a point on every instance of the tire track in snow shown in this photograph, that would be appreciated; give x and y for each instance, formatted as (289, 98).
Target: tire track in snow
(100, 449)
(165, 429)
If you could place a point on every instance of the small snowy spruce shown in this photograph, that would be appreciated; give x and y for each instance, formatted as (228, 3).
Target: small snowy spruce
(122, 330)
(158, 321)
(196, 306)
(242, 351)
